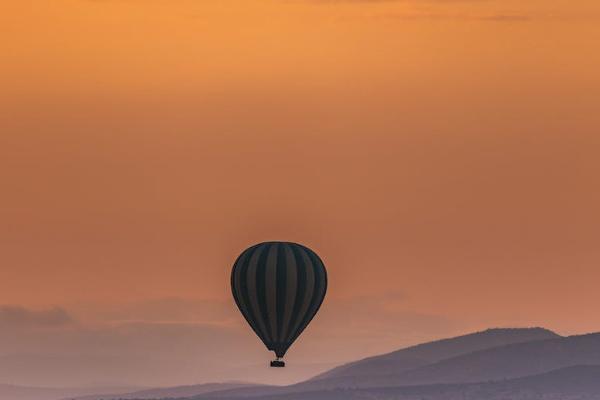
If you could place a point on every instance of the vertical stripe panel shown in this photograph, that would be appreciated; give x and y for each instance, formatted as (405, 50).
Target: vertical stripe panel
(281, 279)
(320, 286)
(300, 290)
(240, 264)
(253, 291)
(306, 296)
(241, 274)
(261, 291)
(290, 291)
(271, 290)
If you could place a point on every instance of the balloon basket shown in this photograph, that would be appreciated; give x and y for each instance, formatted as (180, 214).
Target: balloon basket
(277, 364)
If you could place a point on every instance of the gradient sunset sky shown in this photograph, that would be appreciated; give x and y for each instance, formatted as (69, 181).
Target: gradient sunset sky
(441, 156)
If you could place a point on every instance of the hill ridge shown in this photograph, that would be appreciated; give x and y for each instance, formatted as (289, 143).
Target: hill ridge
(439, 342)
(570, 383)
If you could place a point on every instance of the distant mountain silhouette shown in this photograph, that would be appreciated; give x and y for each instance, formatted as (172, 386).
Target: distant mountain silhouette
(386, 369)
(428, 353)
(576, 379)
(571, 383)
(15, 392)
(498, 363)
(168, 392)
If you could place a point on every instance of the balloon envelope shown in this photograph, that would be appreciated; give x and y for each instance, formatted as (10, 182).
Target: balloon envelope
(278, 287)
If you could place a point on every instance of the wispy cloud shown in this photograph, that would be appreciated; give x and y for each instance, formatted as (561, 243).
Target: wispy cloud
(455, 16)
(471, 10)
(420, 9)
(506, 18)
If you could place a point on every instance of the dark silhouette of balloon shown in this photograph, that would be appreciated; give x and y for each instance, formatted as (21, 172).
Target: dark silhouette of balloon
(278, 287)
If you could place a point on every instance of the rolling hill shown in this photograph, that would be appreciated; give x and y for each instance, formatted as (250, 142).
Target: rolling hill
(571, 383)
(498, 363)
(423, 364)
(15, 392)
(168, 392)
(493, 365)
(428, 353)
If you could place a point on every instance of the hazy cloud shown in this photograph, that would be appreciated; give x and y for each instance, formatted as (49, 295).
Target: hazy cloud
(177, 341)
(20, 316)
(161, 310)
(382, 321)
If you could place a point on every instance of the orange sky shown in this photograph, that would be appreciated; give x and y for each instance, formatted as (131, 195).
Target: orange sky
(441, 157)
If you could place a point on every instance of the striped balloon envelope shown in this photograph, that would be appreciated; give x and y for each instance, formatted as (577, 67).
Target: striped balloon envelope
(278, 287)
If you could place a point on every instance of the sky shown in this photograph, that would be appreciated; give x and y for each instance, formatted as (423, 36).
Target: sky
(441, 156)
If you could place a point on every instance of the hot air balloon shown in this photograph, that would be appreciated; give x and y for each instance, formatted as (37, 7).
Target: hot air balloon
(278, 287)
